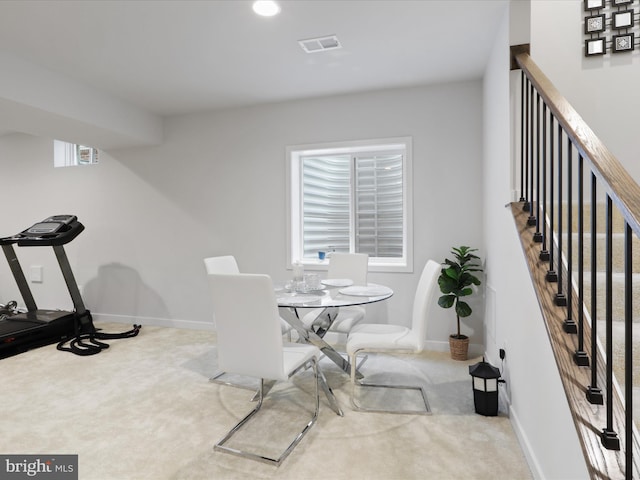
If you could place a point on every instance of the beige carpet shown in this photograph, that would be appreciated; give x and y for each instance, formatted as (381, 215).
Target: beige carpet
(144, 409)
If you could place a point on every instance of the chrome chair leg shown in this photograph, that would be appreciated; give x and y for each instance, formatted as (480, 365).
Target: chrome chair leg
(220, 446)
(216, 379)
(355, 383)
(267, 385)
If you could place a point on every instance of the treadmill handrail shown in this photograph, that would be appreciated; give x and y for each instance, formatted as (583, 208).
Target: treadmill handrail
(59, 230)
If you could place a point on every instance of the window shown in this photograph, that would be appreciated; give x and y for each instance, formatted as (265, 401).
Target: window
(70, 154)
(351, 197)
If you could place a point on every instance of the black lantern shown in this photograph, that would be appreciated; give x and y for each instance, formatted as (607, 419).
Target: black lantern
(485, 388)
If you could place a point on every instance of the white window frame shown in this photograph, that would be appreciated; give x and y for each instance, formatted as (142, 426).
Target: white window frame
(294, 155)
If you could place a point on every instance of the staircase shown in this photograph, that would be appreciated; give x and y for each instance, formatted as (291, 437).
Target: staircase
(562, 163)
(617, 291)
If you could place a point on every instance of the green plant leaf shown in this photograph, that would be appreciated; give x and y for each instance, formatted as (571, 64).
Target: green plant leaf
(475, 280)
(463, 309)
(452, 273)
(446, 301)
(447, 284)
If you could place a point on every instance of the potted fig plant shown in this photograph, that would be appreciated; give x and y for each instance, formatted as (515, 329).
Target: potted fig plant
(455, 281)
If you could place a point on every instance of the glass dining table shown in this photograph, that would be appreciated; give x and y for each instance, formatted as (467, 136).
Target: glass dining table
(326, 299)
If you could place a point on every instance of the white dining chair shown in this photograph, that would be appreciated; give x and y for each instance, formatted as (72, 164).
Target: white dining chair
(352, 266)
(395, 339)
(227, 265)
(222, 264)
(250, 343)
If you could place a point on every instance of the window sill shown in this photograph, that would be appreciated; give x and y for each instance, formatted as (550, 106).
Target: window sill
(323, 266)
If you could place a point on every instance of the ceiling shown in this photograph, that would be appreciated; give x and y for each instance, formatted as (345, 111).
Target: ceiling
(178, 57)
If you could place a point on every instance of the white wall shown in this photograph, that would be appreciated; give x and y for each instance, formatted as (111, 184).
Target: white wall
(217, 186)
(533, 392)
(40, 102)
(602, 89)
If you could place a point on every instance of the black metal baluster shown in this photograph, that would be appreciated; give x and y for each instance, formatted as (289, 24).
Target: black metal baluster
(531, 221)
(522, 142)
(580, 356)
(609, 437)
(527, 205)
(552, 276)
(594, 394)
(569, 325)
(561, 299)
(628, 350)
(544, 253)
(537, 236)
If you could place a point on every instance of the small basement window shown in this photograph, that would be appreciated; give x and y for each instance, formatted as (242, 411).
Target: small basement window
(67, 154)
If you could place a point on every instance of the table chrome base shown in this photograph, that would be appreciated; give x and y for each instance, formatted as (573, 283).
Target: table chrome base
(291, 316)
(331, 398)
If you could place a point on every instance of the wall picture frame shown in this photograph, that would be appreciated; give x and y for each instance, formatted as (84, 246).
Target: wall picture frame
(594, 24)
(623, 43)
(621, 20)
(594, 46)
(590, 5)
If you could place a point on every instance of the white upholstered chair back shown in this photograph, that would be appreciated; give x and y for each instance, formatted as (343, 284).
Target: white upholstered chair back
(224, 264)
(423, 300)
(248, 325)
(227, 265)
(349, 265)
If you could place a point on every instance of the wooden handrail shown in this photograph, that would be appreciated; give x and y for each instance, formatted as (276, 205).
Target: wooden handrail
(601, 464)
(619, 185)
(608, 454)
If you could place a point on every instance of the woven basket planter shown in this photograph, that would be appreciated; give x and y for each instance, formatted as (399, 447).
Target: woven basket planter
(459, 347)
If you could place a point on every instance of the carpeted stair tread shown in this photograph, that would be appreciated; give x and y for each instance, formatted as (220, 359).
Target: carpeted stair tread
(618, 267)
(617, 282)
(617, 221)
(618, 334)
(617, 256)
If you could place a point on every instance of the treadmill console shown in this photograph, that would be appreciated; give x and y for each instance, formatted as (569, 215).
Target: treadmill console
(51, 225)
(44, 227)
(52, 231)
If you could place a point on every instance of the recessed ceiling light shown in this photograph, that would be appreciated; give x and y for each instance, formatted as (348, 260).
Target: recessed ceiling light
(266, 8)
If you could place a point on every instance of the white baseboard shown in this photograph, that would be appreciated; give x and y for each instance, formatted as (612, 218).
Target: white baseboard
(532, 460)
(475, 349)
(152, 321)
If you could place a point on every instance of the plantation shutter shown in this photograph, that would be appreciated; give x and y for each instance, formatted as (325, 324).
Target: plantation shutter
(326, 203)
(378, 205)
(376, 226)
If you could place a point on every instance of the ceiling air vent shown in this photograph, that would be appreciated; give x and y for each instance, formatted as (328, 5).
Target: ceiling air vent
(320, 44)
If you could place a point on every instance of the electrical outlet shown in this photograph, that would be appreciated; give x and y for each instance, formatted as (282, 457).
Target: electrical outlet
(36, 274)
(502, 354)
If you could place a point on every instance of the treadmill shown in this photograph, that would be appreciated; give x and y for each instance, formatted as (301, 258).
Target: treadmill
(36, 327)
